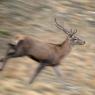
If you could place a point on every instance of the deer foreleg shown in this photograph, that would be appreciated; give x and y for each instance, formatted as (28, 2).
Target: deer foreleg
(58, 73)
(37, 72)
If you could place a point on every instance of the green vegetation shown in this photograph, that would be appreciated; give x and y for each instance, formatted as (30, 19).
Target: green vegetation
(4, 33)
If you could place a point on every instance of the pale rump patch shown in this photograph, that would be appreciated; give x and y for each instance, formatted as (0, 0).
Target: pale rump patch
(16, 38)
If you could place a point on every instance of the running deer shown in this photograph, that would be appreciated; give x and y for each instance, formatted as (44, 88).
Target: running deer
(47, 54)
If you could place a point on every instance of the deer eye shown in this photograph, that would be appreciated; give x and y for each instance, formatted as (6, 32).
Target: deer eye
(75, 38)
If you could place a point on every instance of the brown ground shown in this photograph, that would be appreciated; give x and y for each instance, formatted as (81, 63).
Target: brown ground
(36, 18)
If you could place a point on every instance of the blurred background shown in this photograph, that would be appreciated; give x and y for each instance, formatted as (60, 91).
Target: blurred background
(36, 18)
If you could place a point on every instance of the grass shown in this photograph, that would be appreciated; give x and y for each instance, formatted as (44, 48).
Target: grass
(4, 33)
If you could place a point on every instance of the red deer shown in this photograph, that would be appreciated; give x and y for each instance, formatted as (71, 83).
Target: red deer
(46, 54)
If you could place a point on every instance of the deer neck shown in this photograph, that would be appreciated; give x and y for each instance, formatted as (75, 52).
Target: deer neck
(65, 47)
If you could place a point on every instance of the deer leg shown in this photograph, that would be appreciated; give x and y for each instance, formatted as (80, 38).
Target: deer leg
(58, 73)
(37, 72)
(10, 47)
(16, 53)
(5, 59)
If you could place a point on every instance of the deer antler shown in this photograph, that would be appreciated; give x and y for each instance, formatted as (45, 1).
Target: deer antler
(69, 33)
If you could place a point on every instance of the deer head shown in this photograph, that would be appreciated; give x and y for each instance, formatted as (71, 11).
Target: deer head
(71, 35)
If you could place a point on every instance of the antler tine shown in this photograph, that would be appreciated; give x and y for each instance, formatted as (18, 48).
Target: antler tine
(75, 31)
(57, 25)
(69, 33)
(62, 28)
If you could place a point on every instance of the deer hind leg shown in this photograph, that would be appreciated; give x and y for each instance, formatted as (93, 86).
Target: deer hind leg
(3, 60)
(13, 54)
(37, 72)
